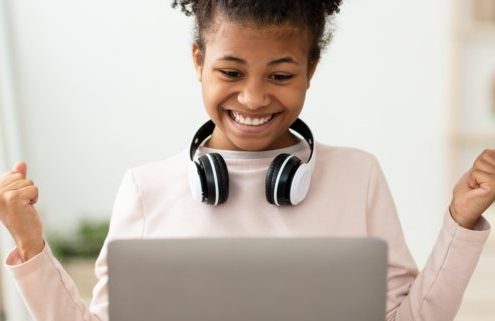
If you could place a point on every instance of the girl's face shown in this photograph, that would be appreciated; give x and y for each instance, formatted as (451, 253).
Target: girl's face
(254, 82)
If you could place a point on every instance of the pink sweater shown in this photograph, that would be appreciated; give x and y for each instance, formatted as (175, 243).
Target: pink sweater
(349, 196)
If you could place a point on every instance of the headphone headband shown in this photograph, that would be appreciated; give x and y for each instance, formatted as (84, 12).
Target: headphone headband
(206, 130)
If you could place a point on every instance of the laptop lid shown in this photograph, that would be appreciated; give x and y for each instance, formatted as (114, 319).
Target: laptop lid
(247, 279)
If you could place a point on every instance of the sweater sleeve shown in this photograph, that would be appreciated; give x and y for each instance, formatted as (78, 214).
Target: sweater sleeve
(436, 292)
(49, 292)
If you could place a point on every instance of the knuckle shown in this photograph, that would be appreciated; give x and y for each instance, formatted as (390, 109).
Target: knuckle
(478, 164)
(476, 172)
(486, 156)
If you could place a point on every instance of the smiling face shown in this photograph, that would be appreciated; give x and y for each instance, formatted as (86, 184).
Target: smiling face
(254, 83)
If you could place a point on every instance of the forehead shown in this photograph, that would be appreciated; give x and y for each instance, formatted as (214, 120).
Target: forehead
(250, 39)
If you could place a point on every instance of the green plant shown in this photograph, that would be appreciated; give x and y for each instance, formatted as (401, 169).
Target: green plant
(85, 243)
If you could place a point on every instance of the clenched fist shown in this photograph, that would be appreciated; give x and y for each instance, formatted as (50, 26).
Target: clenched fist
(475, 191)
(17, 198)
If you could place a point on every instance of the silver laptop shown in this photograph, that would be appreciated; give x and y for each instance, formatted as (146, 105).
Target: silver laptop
(247, 279)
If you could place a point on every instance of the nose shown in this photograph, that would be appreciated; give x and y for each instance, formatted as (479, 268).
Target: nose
(254, 95)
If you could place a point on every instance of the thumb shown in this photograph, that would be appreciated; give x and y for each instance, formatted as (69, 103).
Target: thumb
(20, 167)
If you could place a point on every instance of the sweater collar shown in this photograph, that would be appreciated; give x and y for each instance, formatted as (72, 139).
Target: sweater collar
(252, 155)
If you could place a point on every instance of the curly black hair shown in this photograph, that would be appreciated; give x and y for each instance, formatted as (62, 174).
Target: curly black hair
(310, 15)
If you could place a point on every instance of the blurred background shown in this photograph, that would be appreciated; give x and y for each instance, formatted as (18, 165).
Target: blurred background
(91, 88)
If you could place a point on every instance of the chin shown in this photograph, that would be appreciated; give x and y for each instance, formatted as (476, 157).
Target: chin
(252, 145)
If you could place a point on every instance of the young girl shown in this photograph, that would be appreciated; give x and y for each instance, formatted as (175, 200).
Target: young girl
(255, 60)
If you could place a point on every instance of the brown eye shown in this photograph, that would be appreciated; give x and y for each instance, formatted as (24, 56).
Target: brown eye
(282, 77)
(232, 74)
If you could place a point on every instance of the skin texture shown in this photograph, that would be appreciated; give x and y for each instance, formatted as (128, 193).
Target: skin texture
(475, 191)
(254, 88)
(18, 194)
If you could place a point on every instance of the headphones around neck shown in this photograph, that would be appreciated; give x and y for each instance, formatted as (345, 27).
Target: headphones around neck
(287, 179)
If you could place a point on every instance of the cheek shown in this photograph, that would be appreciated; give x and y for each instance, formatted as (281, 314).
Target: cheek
(214, 91)
(292, 98)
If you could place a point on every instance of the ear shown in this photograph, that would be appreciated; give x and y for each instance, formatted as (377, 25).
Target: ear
(198, 59)
(311, 70)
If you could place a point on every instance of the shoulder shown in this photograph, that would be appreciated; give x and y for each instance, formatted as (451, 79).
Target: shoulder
(344, 172)
(156, 173)
(167, 163)
(344, 156)
(348, 167)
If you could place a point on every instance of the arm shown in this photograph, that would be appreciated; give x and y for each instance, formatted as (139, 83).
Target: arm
(50, 293)
(436, 292)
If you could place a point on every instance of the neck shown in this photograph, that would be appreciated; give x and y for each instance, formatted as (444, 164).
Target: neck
(219, 141)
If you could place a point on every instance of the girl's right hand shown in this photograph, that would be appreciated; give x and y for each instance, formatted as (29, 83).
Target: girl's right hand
(17, 197)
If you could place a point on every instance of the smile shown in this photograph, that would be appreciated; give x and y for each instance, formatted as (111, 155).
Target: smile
(249, 121)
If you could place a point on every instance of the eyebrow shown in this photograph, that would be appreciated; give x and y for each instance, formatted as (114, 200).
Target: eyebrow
(271, 63)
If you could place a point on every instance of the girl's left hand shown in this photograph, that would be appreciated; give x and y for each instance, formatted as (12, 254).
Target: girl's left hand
(475, 191)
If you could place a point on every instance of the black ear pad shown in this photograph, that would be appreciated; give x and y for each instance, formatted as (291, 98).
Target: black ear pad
(223, 177)
(202, 178)
(284, 184)
(209, 185)
(214, 165)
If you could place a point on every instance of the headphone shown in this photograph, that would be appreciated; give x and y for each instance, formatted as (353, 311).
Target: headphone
(287, 179)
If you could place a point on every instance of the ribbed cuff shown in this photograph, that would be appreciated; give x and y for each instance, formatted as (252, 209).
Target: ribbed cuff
(479, 234)
(14, 265)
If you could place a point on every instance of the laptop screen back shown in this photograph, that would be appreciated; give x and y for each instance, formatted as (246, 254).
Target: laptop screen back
(247, 279)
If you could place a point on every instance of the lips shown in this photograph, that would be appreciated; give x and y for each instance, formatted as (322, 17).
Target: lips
(249, 124)
(248, 120)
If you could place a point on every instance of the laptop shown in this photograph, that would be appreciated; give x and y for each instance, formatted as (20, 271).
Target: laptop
(247, 279)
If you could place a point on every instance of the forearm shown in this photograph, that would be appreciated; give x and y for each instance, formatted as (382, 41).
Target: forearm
(47, 290)
(437, 292)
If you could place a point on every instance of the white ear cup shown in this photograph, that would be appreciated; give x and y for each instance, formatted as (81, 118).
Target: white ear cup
(302, 180)
(195, 182)
(300, 184)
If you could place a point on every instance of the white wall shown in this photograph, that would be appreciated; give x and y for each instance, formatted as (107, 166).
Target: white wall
(382, 87)
(10, 148)
(104, 85)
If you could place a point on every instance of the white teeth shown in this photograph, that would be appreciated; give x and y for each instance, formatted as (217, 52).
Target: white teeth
(249, 121)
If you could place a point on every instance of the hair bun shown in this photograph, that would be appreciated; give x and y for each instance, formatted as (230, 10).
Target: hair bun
(187, 6)
(331, 7)
(312, 15)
